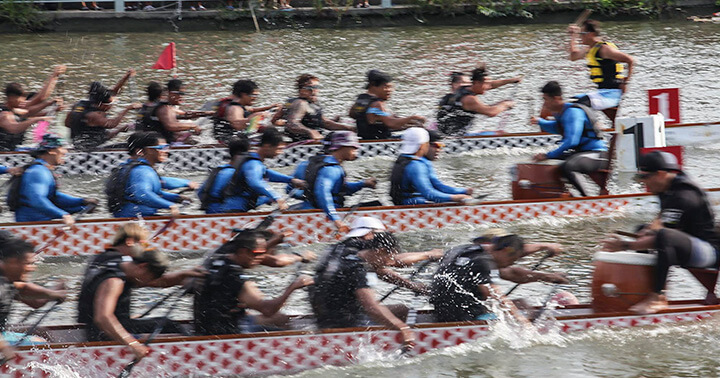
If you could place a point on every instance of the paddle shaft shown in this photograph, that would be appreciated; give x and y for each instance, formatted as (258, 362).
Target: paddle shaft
(542, 260)
(60, 231)
(31, 330)
(414, 273)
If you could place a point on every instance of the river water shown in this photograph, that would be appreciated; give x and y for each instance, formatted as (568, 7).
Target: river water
(675, 54)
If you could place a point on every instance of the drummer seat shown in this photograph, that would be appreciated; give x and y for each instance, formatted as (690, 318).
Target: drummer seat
(708, 278)
(602, 176)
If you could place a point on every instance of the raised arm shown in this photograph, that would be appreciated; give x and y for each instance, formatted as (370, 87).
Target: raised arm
(118, 87)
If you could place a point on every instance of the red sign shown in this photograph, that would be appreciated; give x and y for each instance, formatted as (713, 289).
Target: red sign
(666, 102)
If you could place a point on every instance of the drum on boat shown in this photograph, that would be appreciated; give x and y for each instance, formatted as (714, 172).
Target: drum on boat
(536, 181)
(621, 279)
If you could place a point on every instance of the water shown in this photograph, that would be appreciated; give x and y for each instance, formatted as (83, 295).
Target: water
(669, 54)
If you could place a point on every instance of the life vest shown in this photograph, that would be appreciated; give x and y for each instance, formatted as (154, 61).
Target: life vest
(222, 129)
(367, 130)
(314, 166)
(452, 119)
(591, 128)
(96, 275)
(707, 231)
(238, 185)
(216, 308)
(10, 141)
(7, 296)
(83, 135)
(204, 192)
(116, 185)
(149, 121)
(396, 178)
(15, 197)
(606, 73)
(312, 120)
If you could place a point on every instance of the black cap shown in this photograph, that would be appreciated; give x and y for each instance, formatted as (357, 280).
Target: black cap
(658, 161)
(434, 136)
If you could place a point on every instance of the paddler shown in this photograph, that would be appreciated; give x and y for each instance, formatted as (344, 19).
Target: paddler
(147, 115)
(582, 147)
(325, 177)
(244, 185)
(169, 115)
(34, 104)
(34, 195)
(88, 120)
(135, 187)
(17, 262)
(225, 293)
(303, 115)
(301, 169)
(235, 113)
(466, 273)
(413, 180)
(104, 300)
(15, 118)
(343, 295)
(605, 62)
(684, 231)
(212, 193)
(374, 120)
(457, 80)
(464, 104)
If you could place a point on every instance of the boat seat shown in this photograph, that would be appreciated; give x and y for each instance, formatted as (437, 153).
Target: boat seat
(708, 278)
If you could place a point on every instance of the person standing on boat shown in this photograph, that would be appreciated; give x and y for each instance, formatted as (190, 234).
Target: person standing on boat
(582, 147)
(226, 292)
(303, 114)
(605, 62)
(413, 180)
(87, 120)
(464, 104)
(246, 186)
(684, 232)
(374, 120)
(17, 261)
(34, 195)
(105, 295)
(234, 114)
(168, 115)
(135, 187)
(466, 273)
(325, 177)
(343, 294)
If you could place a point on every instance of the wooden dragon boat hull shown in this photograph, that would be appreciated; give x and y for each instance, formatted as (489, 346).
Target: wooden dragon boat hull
(203, 158)
(293, 351)
(200, 232)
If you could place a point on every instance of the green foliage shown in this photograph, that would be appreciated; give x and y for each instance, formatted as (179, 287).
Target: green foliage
(23, 15)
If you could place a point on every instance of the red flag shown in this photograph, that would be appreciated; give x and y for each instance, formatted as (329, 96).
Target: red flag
(166, 61)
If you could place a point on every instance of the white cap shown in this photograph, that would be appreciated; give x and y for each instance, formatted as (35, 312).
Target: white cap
(364, 225)
(412, 139)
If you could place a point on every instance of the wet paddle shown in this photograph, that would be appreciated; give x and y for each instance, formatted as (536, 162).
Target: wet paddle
(544, 306)
(31, 330)
(542, 260)
(419, 269)
(60, 231)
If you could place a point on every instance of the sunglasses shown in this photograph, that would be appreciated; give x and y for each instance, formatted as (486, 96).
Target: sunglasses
(161, 147)
(437, 144)
(311, 87)
(181, 93)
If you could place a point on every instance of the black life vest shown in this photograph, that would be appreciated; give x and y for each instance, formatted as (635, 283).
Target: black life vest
(8, 292)
(149, 121)
(453, 119)
(606, 73)
(367, 130)
(10, 141)
(217, 309)
(706, 230)
(312, 120)
(94, 276)
(222, 129)
(591, 128)
(314, 166)
(84, 136)
(15, 196)
(238, 185)
(204, 193)
(396, 178)
(116, 185)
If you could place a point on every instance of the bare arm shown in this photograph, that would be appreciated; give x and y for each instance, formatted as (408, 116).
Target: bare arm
(297, 111)
(493, 292)
(236, 117)
(576, 52)
(391, 121)
(9, 124)
(253, 298)
(47, 88)
(177, 278)
(522, 275)
(391, 276)
(410, 258)
(499, 83)
(553, 248)
(167, 117)
(332, 125)
(35, 295)
(98, 119)
(472, 103)
(377, 311)
(118, 87)
(104, 317)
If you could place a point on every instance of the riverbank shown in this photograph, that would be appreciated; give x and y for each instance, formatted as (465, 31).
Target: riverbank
(305, 16)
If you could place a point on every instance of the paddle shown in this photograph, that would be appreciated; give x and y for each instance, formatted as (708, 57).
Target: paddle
(419, 269)
(542, 260)
(544, 306)
(60, 231)
(31, 330)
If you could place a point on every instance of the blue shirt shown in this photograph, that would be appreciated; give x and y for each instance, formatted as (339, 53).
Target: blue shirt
(420, 175)
(254, 172)
(39, 198)
(300, 175)
(574, 121)
(144, 193)
(329, 183)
